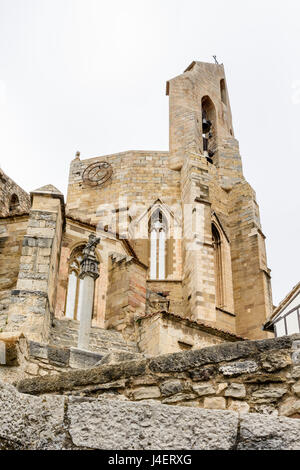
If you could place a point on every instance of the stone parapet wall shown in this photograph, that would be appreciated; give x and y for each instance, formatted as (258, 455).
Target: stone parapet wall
(20, 358)
(251, 376)
(87, 423)
(162, 332)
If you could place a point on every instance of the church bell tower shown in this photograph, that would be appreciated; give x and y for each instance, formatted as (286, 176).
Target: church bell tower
(225, 275)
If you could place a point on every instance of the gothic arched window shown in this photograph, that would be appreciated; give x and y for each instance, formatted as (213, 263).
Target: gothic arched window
(217, 244)
(14, 203)
(74, 285)
(158, 235)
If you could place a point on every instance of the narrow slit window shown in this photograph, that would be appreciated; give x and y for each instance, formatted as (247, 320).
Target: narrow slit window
(219, 288)
(223, 91)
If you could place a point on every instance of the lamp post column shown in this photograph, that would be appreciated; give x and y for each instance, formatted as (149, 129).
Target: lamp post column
(89, 272)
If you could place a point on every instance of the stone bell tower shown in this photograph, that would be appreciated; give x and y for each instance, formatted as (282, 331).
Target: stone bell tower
(225, 275)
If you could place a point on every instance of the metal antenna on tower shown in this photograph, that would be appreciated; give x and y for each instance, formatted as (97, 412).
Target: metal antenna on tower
(215, 57)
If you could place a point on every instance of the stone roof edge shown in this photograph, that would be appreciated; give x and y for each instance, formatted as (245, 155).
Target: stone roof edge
(4, 176)
(122, 240)
(14, 216)
(201, 325)
(125, 152)
(188, 69)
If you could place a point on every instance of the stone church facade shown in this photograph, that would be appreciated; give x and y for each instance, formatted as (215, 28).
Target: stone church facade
(181, 260)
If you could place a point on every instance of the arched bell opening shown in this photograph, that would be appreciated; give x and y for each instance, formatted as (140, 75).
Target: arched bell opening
(208, 128)
(14, 203)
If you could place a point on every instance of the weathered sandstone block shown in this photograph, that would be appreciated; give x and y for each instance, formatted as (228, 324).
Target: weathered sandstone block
(238, 368)
(275, 360)
(204, 389)
(145, 393)
(106, 425)
(235, 390)
(216, 403)
(259, 432)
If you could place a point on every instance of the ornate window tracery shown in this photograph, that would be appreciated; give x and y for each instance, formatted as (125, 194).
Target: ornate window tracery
(74, 288)
(158, 230)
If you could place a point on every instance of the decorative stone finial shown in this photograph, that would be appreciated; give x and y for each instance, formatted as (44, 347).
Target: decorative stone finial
(77, 155)
(89, 264)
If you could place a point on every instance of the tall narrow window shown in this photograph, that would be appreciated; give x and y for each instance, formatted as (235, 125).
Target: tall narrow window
(218, 266)
(74, 289)
(158, 236)
(14, 203)
(223, 91)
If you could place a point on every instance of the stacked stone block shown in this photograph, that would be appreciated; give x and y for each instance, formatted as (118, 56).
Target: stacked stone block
(126, 296)
(32, 302)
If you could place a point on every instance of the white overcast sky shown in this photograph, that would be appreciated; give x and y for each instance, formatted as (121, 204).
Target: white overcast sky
(90, 75)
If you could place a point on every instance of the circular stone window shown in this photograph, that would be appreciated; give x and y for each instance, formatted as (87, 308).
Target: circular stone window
(97, 174)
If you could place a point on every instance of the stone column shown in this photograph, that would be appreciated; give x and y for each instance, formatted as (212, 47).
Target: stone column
(88, 274)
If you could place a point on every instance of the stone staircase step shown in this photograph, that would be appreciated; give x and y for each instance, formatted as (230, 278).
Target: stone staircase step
(65, 333)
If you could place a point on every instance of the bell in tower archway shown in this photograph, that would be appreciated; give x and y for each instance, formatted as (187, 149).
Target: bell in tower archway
(206, 124)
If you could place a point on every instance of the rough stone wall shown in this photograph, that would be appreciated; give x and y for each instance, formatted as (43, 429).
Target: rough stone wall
(251, 376)
(12, 231)
(173, 293)
(56, 422)
(8, 188)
